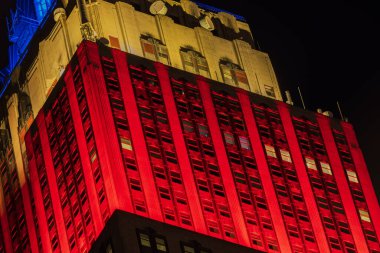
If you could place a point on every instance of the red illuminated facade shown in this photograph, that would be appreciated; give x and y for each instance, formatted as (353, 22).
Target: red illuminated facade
(123, 132)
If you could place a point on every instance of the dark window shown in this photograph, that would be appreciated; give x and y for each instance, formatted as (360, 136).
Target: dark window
(187, 126)
(203, 131)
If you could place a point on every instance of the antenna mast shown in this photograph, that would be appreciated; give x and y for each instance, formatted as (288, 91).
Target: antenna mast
(299, 91)
(340, 111)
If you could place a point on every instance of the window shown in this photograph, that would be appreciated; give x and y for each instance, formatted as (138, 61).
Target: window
(156, 243)
(218, 190)
(244, 143)
(261, 203)
(256, 240)
(270, 151)
(109, 248)
(114, 42)
(269, 90)
(193, 247)
(229, 138)
(154, 49)
(285, 156)
(322, 202)
(93, 155)
(144, 240)
(352, 176)
(272, 246)
(326, 168)
(343, 227)
(364, 215)
(233, 74)
(337, 207)
(329, 223)
(194, 62)
(187, 126)
(310, 163)
(125, 143)
(161, 117)
(160, 244)
(188, 249)
(203, 131)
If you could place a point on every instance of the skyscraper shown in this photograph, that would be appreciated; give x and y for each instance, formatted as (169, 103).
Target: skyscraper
(168, 111)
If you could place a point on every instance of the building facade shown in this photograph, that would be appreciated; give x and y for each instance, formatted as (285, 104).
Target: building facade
(123, 132)
(178, 121)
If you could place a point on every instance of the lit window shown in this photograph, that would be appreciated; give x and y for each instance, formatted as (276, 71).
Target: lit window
(203, 131)
(194, 62)
(194, 247)
(269, 90)
(310, 163)
(364, 215)
(326, 168)
(270, 151)
(160, 244)
(285, 156)
(109, 248)
(233, 74)
(125, 143)
(352, 176)
(244, 143)
(229, 138)
(154, 49)
(93, 155)
(188, 249)
(144, 240)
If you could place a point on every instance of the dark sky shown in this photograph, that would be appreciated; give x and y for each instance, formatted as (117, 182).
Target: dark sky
(331, 49)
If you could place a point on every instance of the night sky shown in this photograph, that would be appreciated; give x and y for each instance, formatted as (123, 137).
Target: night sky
(330, 49)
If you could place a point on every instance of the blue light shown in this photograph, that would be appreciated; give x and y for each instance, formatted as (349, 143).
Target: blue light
(41, 7)
(216, 10)
(23, 22)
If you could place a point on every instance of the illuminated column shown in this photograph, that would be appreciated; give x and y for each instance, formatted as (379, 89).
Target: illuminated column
(343, 187)
(363, 175)
(102, 120)
(37, 195)
(12, 105)
(52, 182)
(303, 177)
(270, 193)
(83, 152)
(138, 139)
(180, 146)
(225, 170)
(60, 17)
